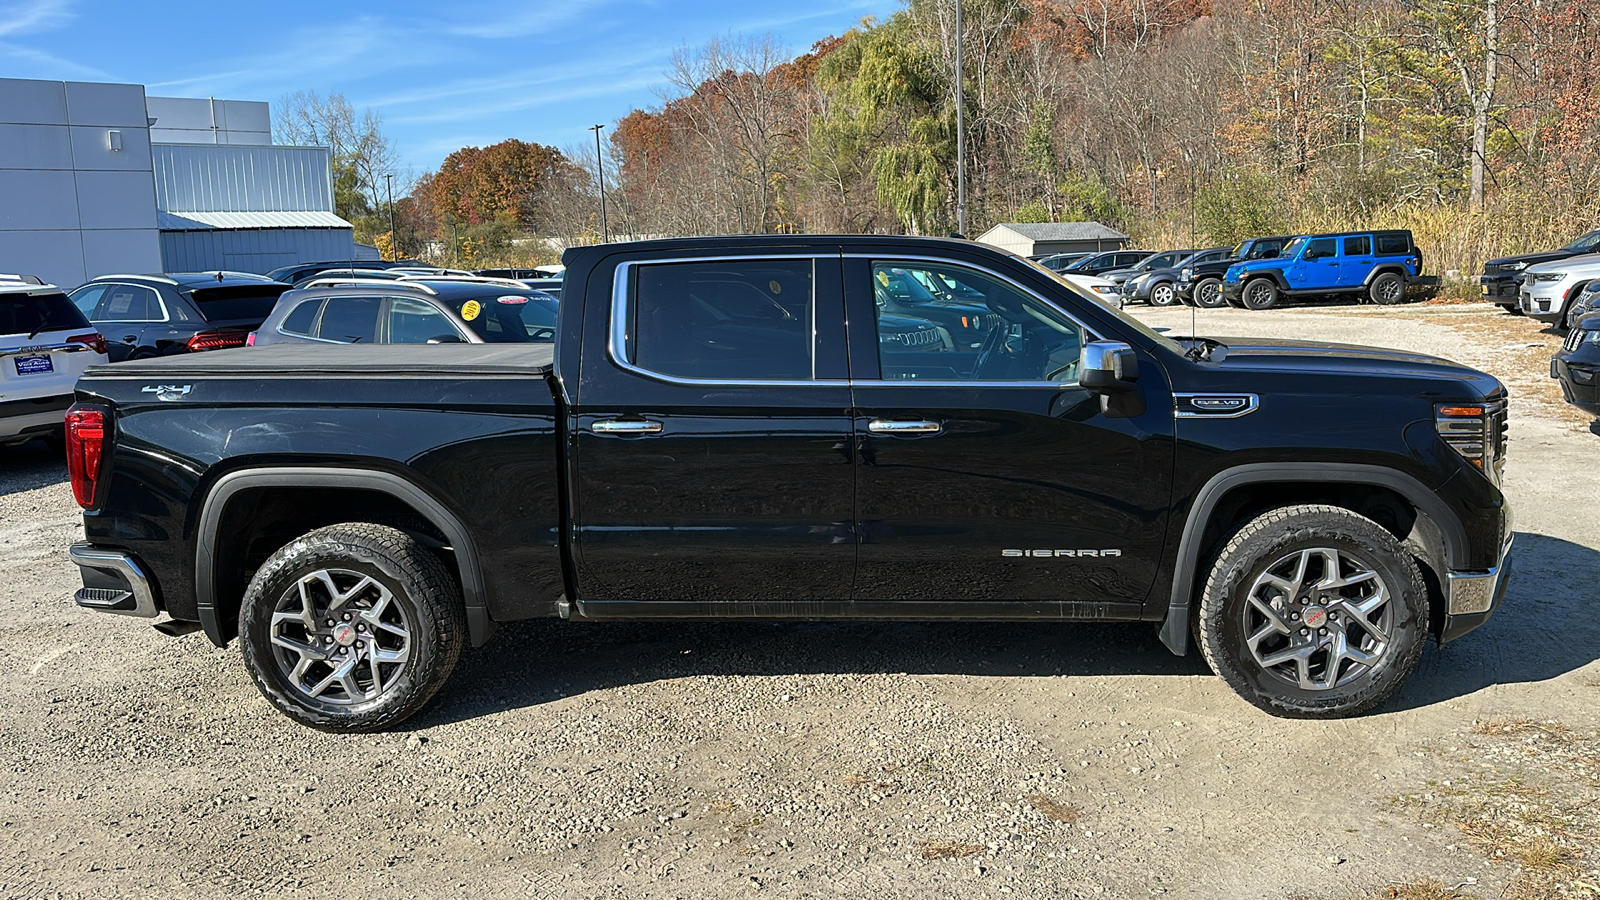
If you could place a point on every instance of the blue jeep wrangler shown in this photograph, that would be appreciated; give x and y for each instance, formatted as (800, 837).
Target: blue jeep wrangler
(1379, 265)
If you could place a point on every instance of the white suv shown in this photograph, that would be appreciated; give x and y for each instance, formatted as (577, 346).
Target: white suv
(45, 344)
(1550, 289)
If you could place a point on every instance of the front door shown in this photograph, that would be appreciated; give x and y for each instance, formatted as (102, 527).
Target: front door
(1318, 266)
(988, 475)
(712, 442)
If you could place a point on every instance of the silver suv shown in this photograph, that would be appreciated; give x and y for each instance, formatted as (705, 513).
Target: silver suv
(429, 310)
(45, 344)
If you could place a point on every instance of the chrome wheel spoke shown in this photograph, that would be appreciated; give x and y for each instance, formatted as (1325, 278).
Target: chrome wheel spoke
(1341, 619)
(304, 650)
(340, 637)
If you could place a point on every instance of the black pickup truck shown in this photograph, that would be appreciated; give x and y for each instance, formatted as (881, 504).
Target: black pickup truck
(733, 427)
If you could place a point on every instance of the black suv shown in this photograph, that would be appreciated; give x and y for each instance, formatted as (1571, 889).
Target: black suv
(160, 315)
(301, 271)
(1106, 262)
(1201, 284)
(1502, 278)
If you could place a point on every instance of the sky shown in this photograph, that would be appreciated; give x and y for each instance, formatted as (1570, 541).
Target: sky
(443, 75)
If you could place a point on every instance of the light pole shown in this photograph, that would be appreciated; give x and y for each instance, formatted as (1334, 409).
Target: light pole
(600, 171)
(394, 239)
(961, 138)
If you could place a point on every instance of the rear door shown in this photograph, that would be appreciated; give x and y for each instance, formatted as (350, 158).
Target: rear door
(711, 438)
(123, 314)
(1355, 260)
(989, 475)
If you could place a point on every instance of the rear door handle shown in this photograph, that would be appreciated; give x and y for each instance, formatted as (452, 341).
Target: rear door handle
(623, 426)
(900, 426)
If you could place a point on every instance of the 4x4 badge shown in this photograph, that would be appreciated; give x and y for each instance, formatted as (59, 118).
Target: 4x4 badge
(168, 391)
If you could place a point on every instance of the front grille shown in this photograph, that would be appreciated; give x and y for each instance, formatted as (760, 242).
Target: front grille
(1574, 338)
(926, 337)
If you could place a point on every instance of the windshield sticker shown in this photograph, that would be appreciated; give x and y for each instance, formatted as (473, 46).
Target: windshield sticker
(512, 299)
(470, 310)
(775, 286)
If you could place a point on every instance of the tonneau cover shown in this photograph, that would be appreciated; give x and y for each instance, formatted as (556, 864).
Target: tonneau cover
(312, 360)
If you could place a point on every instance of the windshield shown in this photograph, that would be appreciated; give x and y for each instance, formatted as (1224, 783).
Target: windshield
(510, 317)
(1292, 248)
(1589, 243)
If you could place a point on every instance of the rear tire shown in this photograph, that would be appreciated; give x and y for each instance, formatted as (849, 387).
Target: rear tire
(1387, 289)
(1208, 294)
(397, 627)
(1313, 612)
(1261, 293)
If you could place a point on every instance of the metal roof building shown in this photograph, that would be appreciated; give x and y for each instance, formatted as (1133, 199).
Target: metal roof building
(88, 186)
(1043, 238)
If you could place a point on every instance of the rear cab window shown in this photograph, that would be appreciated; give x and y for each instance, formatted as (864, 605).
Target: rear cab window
(725, 320)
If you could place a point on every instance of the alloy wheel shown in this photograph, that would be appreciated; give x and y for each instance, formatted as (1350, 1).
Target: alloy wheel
(1318, 619)
(340, 637)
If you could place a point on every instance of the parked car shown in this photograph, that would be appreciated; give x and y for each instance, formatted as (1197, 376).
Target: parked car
(1502, 278)
(1058, 261)
(1377, 265)
(1101, 289)
(910, 293)
(45, 344)
(1550, 290)
(717, 434)
(301, 271)
(161, 315)
(1201, 284)
(1588, 302)
(1577, 366)
(1159, 286)
(1100, 263)
(1162, 260)
(432, 311)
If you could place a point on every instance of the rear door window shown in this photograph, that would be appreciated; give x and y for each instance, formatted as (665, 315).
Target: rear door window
(245, 302)
(27, 314)
(350, 320)
(1358, 246)
(732, 320)
(129, 303)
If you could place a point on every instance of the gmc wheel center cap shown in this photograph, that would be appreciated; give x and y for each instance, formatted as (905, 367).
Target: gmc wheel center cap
(1315, 616)
(345, 634)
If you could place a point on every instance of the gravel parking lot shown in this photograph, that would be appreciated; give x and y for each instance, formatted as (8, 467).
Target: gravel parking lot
(830, 760)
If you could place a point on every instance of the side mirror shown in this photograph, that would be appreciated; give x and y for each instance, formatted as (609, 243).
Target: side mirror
(1108, 367)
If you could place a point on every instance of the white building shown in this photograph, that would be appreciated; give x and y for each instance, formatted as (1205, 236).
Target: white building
(99, 178)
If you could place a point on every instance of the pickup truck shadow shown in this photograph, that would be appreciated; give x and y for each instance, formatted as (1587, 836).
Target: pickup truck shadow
(1545, 628)
(1549, 625)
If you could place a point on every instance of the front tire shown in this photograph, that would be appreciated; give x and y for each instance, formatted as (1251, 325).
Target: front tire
(1260, 294)
(1163, 295)
(1313, 612)
(1208, 294)
(351, 628)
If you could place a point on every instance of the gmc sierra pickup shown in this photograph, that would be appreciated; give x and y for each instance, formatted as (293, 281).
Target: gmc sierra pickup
(738, 427)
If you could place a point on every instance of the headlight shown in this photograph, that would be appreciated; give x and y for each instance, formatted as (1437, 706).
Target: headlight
(1546, 277)
(1187, 274)
(1476, 431)
(1140, 278)
(1103, 288)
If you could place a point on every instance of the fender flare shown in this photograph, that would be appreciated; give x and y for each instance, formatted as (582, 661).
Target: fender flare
(1275, 274)
(1175, 627)
(1405, 277)
(474, 595)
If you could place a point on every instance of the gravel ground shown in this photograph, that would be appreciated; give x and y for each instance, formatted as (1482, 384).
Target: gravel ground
(811, 760)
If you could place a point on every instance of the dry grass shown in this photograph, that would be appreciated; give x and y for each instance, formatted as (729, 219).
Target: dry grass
(1420, 890)
(1554, 730)
(948, 849)
(1054, 809)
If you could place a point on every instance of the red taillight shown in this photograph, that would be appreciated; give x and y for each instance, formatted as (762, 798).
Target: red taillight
(86, 441)
(216, 340)
(250, 339)
(93, 341)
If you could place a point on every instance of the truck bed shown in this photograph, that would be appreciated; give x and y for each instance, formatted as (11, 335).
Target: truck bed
(372, 360)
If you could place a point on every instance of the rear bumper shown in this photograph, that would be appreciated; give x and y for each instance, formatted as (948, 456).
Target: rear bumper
(1472, 597)
(33, 415)
(114, 582)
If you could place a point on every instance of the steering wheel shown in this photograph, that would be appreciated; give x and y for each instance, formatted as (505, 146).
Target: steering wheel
(993, 349)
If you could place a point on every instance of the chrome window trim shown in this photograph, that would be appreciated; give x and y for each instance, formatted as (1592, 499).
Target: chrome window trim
(617, 342)
(1252, 403)
(160, 301)
(617, 338)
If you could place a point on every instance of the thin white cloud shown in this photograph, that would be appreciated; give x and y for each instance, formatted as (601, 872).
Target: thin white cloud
(39, 64)
(540, 18)
(588, 90)
(32, 16)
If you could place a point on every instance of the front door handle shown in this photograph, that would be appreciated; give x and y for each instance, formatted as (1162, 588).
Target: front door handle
(624, 426)
(901, 426)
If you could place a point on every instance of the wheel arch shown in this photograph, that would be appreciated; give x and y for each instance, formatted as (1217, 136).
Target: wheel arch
(212, 559)
(1394, 268)
(1434, 535)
